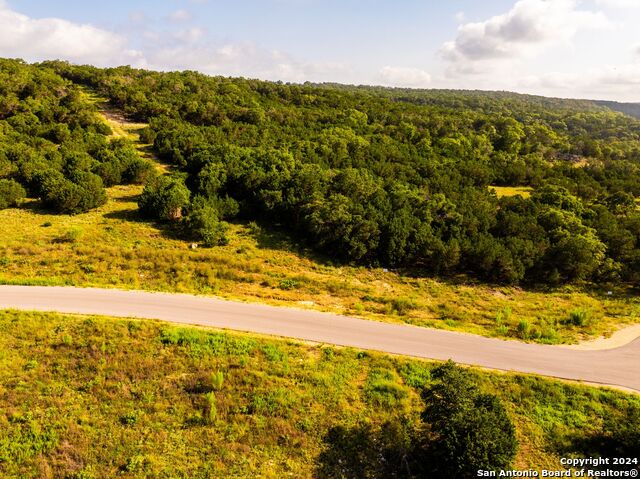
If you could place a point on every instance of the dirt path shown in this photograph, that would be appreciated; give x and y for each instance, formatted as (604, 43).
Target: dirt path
(122, 127)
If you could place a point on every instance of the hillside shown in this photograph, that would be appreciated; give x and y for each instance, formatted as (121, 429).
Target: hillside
(631, 109)
(362, 175)
(396, 178)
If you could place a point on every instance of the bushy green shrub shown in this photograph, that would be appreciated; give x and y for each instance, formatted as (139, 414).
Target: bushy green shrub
(202, 224)
(579, 317)
(471, 430)
(11, 192)
(524, 329)
(164, 198)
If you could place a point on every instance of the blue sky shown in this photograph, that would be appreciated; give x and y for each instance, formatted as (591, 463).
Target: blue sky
(568, 48)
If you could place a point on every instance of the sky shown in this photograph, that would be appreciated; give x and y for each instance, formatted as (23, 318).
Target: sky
(564, 48)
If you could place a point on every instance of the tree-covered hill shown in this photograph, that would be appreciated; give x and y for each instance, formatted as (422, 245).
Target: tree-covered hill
(54, 146)
(391, 177)
(631, 109)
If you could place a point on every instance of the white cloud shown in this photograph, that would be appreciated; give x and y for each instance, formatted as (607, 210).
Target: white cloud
(525, 29)
(189, 35)
(619, 3)
(240, 59)
(137, 16)
(602, 83)
(405, 77)
(187, 48)
(48, 38)
(179, 16)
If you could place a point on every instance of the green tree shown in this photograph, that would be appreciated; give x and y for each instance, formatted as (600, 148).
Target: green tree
(470, 430)
(203, 224)
(164, 198)
(11, 192)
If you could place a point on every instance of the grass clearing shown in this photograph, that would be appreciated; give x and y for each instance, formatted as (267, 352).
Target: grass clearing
(98, 397)
(501, 191)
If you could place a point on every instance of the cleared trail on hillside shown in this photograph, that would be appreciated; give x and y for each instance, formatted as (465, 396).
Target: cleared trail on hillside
(616, 367)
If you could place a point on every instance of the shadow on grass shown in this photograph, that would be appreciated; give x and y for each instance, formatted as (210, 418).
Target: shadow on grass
(277, 237)
(37, 208)
(126, 215)
(367, 452)
(127, 199)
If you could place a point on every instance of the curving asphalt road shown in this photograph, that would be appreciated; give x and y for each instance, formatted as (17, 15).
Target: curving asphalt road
(615, 367)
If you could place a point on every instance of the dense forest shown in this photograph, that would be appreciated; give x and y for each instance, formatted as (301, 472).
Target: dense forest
(391, 177)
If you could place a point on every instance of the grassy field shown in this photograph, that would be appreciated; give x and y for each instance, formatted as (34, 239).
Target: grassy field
(88, 397)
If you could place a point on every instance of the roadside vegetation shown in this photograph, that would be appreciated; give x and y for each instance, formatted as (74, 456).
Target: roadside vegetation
(88, 397)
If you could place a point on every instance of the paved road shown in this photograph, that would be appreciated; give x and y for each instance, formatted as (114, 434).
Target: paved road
(616, 367)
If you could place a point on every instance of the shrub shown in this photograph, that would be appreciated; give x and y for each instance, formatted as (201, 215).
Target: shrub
(11, 192)
(472, 431)
(147, 135)
(135, 464)
(254, 228)
(137, 171)
(210, 409)
(84, 193)
(217, 380)
(502, 330)
(202, 224)
(503, 316)
(402, 305)
(164, 198)
(288, 284)
(578, 317)
(72, 235)
(129, 419)
(524, 329)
